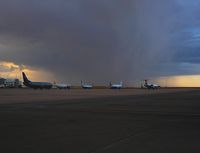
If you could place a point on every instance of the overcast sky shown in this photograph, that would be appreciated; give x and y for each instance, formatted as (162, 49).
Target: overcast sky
(101, 40)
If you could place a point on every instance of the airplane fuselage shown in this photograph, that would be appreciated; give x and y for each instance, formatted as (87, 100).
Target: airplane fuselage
(62, 86)
(151, 86)
(87, 86)
(36, 85)
(116, 86)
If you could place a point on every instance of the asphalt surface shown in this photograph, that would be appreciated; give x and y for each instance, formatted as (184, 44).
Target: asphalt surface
(143, 123)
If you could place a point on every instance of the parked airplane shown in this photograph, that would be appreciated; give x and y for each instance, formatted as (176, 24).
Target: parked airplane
(150, 86)
(86, 86)
(116, 86)
(36, 85)
(62, 86)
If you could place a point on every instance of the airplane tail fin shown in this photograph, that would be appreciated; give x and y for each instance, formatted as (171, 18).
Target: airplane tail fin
(54, 82)
(121, 83)
(26, 80)
(145, 82)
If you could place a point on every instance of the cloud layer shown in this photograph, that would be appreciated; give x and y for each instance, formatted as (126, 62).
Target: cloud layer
(101, 40)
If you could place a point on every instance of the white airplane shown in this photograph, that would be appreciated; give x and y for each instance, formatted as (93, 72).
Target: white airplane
(62, 86)
(150, 86)
(116, 86)
(86, 86)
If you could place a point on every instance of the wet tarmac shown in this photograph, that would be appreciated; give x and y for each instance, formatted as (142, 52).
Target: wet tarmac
(100, 121)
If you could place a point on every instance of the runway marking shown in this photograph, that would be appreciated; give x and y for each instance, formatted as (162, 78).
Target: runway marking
(118, 142)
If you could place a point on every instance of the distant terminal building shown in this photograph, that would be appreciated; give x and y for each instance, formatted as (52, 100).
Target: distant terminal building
(12, 83)
(2, 81)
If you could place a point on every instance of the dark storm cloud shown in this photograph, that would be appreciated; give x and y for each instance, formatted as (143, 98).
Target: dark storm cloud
(98, 40)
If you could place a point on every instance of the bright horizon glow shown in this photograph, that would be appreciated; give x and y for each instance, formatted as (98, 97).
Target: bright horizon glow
(12, 70)
(180, 81)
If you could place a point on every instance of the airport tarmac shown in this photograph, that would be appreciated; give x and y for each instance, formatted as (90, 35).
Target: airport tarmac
(31, 95)
(100, 121)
